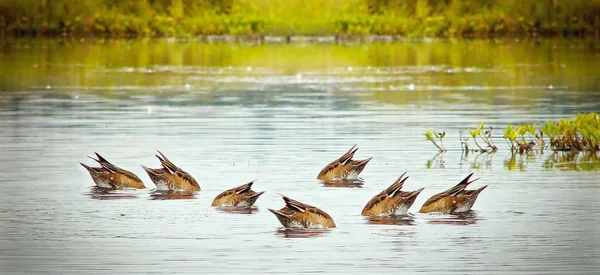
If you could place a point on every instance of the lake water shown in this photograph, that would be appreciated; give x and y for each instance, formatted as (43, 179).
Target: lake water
(231, 113)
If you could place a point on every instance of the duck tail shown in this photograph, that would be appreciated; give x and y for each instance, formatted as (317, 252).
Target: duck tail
(85, 166)
(479, 190)
(455, 190)
(252, 199)
(283, 218)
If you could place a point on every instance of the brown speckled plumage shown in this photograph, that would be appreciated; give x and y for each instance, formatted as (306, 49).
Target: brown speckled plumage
(109, 176)
(344, 167)
(241, 196)
(296, 214)
(454, 200)
(171, 177)
(388, 201)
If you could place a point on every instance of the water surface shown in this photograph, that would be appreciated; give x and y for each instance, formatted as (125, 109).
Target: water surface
(231, 113)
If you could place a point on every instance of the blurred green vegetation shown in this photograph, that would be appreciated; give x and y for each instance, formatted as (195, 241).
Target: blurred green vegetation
(490, 72)
(186, 18)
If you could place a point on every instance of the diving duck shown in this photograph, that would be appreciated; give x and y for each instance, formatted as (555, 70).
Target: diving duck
(300, 215)
(343, 168)
(109, 176)
(391, 201)
(171, 177)
(242, 197)
(454, 200)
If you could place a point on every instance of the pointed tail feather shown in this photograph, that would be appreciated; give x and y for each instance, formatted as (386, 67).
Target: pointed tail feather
(466, 179)
(472, 181)
(348, 155)
(294, 204)
(167, 163)
(360, 164)
(396, 186)
(481, 188)
(244, 187)
(410, 199)
(149, 170)
(86, 167)
(100, 158)
(476, 191)
(415, 193)
(252, 199)
(96, 160)
(280, 216)
(400, 178)
(364, 161)
(455, 190)
(257, 194)
(106, 164)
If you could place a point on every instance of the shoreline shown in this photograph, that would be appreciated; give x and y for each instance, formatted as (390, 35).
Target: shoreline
(290, 39)
(258, 20)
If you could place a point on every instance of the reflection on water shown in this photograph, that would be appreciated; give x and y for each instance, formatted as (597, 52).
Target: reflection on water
(158, 195)
(477, 161)
(519, 162)
(394, 220)
(231, 112)
(459, 219)
(104, 194)
(354, 183)
(437, 161)
(301, 233)
(472, 160)
(504, 72)
(239, 210)
(578, 161)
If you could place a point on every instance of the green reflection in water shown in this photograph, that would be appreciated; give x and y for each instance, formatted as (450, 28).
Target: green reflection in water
(565, 161)
(521, 71)
(582, 161)
(519, 162)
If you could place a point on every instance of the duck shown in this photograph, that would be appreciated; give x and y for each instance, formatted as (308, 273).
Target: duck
(344, 168)
(109, 176)
(171, 178)
(455, 200)
(296, 214)
(241, 197)
(391, 201)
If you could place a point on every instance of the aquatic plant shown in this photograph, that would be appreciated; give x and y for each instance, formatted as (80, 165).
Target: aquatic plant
(439, 136)
(485, 136)
(517, 136)
(580, 133)
(479, 132)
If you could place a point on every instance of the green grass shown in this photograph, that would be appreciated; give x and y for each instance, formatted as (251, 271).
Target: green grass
(411, 18)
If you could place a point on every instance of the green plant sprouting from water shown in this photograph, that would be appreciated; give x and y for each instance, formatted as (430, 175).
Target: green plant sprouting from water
(433, 135)
(481, 133)
(485, 136)
(521, 137)
(580, 133)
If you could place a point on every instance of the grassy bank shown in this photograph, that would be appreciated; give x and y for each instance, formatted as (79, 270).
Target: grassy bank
(411, 18)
